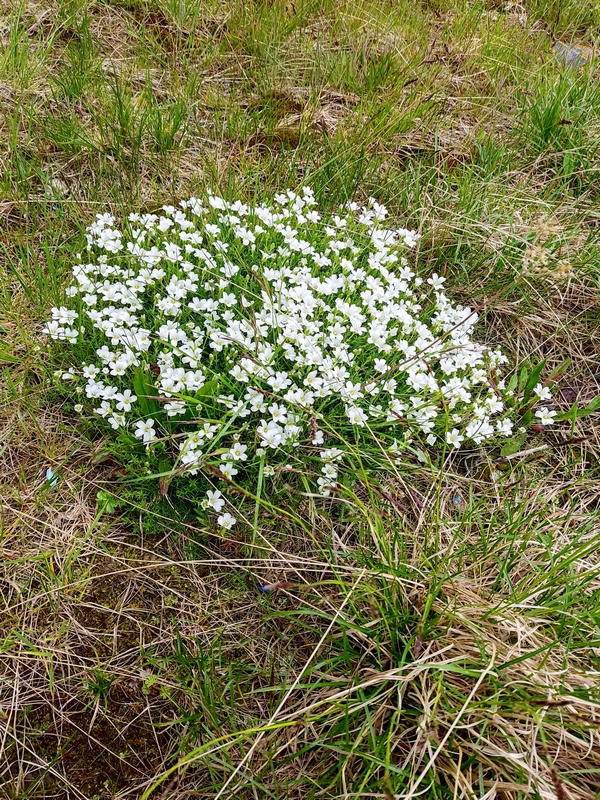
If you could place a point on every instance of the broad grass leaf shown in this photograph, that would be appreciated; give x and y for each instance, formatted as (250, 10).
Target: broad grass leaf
(533, 380)
(166, 469)
(513, 445)
(209, 389)
(144, 390)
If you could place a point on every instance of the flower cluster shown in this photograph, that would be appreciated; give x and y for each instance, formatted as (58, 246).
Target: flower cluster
(239, 336)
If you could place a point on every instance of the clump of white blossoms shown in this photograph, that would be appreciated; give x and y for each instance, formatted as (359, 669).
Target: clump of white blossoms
(257, 333)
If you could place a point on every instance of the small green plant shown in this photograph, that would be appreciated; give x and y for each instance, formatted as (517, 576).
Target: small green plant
(98, 683)
(429, 629)
(254, 341)
(78, 62)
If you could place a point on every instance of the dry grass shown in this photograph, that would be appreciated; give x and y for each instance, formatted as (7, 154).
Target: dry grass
(106, 635)
(435, 637)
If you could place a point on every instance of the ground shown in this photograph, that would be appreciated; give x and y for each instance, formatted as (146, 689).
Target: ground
(441, 638)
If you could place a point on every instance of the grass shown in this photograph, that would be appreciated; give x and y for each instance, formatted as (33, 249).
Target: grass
(435, 635)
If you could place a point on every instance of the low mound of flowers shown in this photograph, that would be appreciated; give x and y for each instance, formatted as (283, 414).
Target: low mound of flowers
(241, 340)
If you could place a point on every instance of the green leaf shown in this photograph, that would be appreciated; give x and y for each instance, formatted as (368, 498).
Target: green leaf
(144, 389)
(560, 370)
(512, 384)
(204, 393)
(592, 406)
(208, 390)
(108, 503)
(514, 445)
(166, 469)
(102, 457)
(533, 380)
(576, 413)
(127, 438)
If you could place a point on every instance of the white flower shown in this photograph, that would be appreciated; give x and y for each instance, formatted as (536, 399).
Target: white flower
(325, 486)
(103, 409)
(144, 430)
(228, 470)
(71, 335)
(545, 416)
(279, 413)
(332, 454)
(271, 433)
(237, 452)
(543, 392)
(436, 281)
(329, 470)
(239, 374)
(505, 427)
(125, 400)
(64, 316)
(53, 329)
(90, 371)
(226, 521)
(479, 429)
(494, 404)
(279, 381)
(214, 499)
(175, 408)
(356, 415)
(280, 318)
(454, 438)
(116, 421)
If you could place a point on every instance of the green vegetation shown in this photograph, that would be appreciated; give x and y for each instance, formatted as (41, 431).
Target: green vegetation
(436, 634)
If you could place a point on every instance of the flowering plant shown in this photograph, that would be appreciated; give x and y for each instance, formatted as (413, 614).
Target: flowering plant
(239, 338)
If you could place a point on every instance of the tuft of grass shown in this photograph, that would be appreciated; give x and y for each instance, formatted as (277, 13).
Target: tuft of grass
(568, 18)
